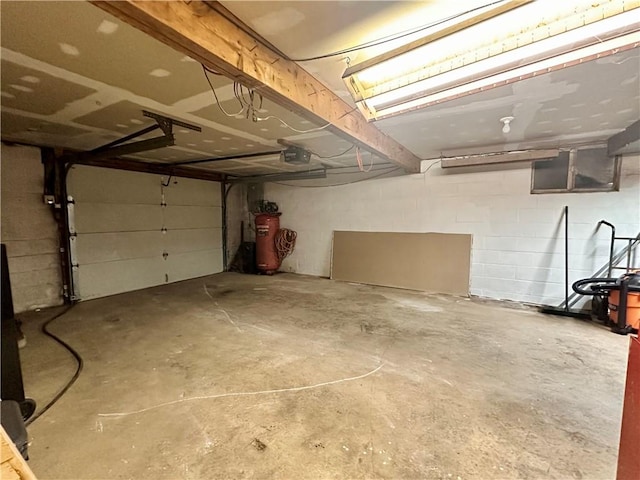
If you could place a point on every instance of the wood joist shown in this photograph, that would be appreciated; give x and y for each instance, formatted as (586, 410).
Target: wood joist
(201, 32)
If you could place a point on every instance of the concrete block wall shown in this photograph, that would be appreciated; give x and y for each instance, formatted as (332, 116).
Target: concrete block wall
(29, 231)
(518, 238)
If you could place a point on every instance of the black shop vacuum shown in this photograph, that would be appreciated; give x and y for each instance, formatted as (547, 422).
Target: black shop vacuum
(616, 301)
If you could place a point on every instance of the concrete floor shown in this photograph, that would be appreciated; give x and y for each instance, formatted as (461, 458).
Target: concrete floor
(296, 377)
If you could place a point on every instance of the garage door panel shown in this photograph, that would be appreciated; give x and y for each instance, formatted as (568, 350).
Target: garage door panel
(102, 279)
(109, 247)
(195, 240)
(104, 185)
(194, 264)
(179, 217)
(103, 217)
(193, 192)
(123, 230)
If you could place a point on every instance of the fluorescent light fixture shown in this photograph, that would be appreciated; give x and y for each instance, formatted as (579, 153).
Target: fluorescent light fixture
(498, 158)
(432, 72)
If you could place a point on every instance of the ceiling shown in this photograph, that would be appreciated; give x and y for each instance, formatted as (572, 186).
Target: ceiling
(86, 82)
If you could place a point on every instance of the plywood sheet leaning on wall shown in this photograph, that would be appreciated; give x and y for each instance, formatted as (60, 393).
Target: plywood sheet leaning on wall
(431, 262)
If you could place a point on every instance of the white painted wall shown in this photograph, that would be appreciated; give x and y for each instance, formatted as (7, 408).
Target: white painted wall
(29, 231)
(518, 246)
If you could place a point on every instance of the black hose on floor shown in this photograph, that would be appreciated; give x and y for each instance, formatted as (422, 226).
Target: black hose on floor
(75, 354)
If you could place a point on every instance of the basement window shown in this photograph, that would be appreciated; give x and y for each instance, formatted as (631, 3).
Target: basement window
(577, 170)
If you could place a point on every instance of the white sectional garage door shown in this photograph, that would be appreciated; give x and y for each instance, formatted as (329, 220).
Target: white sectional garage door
(133, 232)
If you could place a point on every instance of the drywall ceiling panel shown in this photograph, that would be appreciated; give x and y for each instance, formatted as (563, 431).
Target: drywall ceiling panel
(584, 103)
(222, 165)
(91, 76)
(218, 143)
(97, 45)
(305, 29)
(13, 124)
(127, 118)
(124, 116)
(270, 128)
(430, 262)
(573, 106)
(168, 155)
(20, 84)
(324, 144)
(76, 48)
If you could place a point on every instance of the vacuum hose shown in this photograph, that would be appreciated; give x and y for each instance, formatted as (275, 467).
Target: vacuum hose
(596, 289)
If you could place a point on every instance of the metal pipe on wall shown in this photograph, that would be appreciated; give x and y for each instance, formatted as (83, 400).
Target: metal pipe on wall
(566, 258)
(611, 245)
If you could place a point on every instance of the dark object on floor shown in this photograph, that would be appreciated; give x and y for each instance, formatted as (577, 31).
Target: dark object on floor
(76, 355)
(563, 312)
(258, 445)
(7, 299)
(564, 308)
(244, 260)
(11, 387)
(22, 338)
(620, 296)
(13, 424)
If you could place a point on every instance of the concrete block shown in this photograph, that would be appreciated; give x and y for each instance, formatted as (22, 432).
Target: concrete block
(502, 244)
(544, 275)
(21, 170)
(500, 271)
(540, 215)
(21, 248)
(33, 263)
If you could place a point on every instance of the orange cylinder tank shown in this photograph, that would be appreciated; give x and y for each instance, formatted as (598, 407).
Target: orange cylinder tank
(633, 308)
(267, 225)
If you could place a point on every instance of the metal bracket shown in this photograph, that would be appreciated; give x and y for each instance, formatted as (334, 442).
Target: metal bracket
(167, 123)
(120, 147)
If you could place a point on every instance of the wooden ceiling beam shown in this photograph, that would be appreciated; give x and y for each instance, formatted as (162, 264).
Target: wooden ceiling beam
(202, 33)
(625, 142)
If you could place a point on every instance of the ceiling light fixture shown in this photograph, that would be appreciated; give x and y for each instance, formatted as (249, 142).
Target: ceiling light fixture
(507, 124)
(545, 35)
